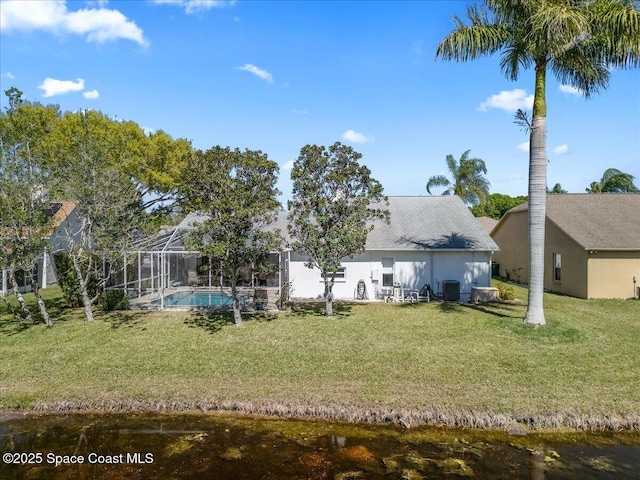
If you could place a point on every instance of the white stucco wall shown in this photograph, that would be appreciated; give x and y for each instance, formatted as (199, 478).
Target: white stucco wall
(411, 269)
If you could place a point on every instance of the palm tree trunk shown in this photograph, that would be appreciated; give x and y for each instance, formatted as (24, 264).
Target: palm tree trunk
(537, 202)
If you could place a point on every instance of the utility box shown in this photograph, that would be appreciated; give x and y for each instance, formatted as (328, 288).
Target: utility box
(495, 269)
(450, 290)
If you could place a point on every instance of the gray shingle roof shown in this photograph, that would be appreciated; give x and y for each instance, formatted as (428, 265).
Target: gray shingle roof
(596, 220)
(416, 223)
(429, 223)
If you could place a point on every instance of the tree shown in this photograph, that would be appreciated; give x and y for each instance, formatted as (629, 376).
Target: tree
(330, 213)
(24, 224)
(614, 181)
(86, 152)
(557, 188)
(468, 183)
(496, 205)
(235, 191)
(579, 41)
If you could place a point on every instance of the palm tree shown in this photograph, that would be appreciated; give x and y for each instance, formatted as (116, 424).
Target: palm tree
(468, 183)
(615, 181)
(579, 41)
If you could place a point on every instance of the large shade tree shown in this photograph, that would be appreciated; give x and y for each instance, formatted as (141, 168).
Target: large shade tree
(469, 181)
(236, 193)
(24, 223)
(87, 150)
(331, 212)
(580, 42)
(613, 181)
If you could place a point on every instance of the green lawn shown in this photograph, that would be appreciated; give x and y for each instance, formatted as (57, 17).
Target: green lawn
(433, 363)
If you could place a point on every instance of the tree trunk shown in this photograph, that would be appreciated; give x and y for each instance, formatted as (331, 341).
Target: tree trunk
(328, 294)
(237, 314)
(12, 310)
(26, 313)
(43, 308)
(537, 202)
(86, 300)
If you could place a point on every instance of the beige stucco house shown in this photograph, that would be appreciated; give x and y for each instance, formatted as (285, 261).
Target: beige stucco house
(592, 244)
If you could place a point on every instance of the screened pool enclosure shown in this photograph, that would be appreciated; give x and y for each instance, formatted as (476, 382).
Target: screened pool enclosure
(160, 266)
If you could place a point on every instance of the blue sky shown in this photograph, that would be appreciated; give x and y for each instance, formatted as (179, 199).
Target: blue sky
(275, 76)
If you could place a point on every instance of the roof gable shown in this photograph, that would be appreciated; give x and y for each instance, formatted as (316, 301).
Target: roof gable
(605, 221)
(429, 223)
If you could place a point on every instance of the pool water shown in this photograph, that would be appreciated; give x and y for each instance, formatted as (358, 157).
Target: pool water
(199, 299)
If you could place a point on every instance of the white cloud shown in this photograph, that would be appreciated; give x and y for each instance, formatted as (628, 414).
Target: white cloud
(508, 100)
(356, 137)
(569, 89)
(91, 95)
(561, 149)
(524, 147)
(288, 165)
(9, 75)
(53, 87)
(197, 6)
(148, 130)
(96, 24)
(258, 72)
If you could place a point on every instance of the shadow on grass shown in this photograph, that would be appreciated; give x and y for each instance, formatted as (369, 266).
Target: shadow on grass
(303, 309)
(121, 318)
(57, 308)
(214, 321)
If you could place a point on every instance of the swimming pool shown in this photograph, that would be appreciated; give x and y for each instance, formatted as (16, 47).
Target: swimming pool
(199, 299)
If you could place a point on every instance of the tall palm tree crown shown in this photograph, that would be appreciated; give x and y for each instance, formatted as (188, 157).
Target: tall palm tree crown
(469, 182)
(579, 41)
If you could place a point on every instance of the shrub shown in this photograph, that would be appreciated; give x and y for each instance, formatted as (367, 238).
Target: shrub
(507, 292)
(68, 280)
(114, 300)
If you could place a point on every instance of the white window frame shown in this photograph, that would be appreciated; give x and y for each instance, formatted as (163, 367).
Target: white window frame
(557, 267)
(388, 271)
(341, 275)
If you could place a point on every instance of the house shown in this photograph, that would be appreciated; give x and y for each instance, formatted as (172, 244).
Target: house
(592, 244)
(63, 219)
(429, 240)
(487, 223)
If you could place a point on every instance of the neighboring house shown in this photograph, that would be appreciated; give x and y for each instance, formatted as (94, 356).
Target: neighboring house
(429, 240)
(487, 223)
(592, 244)
(63, 221)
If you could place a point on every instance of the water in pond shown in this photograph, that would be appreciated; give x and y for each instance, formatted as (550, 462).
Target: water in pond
(190, 446)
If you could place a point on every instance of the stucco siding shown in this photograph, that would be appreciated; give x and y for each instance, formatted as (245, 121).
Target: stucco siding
(611, 274)
(513, 239)
(573, 272)
(412, 270)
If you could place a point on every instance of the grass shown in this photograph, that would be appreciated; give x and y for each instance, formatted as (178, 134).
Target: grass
(431, 363)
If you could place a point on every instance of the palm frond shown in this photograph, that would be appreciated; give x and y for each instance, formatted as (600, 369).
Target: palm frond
(437, 181)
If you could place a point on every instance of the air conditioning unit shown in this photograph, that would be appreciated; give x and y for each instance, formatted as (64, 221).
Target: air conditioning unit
(450, 290)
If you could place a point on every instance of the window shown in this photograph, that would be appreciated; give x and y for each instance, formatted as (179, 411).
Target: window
(387, 272)
(341, 274)
(557, 267)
